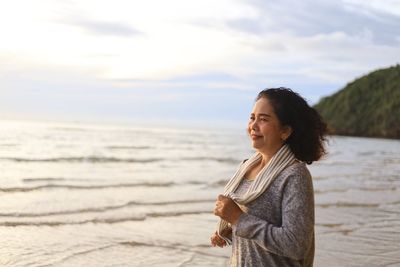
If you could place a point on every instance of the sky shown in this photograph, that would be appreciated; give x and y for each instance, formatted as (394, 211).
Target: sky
(183, 61)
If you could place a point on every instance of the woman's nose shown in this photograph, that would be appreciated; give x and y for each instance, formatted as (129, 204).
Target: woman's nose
(253, 125)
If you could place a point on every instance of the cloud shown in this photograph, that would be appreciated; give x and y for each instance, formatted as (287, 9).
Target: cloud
(98, 27)
(308, 18)
(385, 6)
(193, 62)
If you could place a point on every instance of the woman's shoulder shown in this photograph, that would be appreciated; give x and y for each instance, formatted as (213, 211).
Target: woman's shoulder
(298, 169)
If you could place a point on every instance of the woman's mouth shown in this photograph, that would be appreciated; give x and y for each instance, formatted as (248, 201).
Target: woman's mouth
(255, 136)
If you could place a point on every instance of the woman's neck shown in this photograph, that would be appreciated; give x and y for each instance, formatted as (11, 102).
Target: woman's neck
(267, 155)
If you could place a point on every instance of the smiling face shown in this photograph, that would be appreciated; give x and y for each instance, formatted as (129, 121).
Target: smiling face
(264, 128)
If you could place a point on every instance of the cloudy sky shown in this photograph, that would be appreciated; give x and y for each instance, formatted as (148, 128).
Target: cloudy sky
(183, 61)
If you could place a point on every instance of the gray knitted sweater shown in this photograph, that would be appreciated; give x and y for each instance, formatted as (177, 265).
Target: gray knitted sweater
(278, 228)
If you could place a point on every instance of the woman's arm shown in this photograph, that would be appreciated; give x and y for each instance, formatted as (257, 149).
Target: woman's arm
(294, 237)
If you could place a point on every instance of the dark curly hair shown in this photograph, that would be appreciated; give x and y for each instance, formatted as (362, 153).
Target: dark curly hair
(308, 129)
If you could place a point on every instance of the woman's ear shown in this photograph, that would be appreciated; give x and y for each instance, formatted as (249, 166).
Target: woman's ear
(287, 131)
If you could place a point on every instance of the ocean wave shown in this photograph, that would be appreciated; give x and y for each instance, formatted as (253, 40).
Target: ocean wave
(8, 145)
(96, 159)
(91, 159)
(176, 213)
(110, 220)
(106, 208)
(51, 179)
(218, 183)
(198, 249)
(72, 129)
(350, 205)
(51, 185)
(217, 159)
(367, 153)
(129, 147)
(61, 223)
(173, 245)
(83, 187)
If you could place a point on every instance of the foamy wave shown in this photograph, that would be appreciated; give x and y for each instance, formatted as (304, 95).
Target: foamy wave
(95, 159)
(128, 147)
(106, 208)
(110, 220)
(91, 159)
(217, 159)
(350, 205)
(83, 187)
(61, 223)
(52, 184)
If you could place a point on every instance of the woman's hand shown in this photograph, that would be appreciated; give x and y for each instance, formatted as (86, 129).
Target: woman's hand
(227, 209)
(216, 240)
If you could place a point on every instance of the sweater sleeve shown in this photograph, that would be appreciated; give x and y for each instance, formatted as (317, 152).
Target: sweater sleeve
(294, 237)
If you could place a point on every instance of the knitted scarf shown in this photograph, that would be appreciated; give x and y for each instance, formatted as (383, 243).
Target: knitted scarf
(282, 159)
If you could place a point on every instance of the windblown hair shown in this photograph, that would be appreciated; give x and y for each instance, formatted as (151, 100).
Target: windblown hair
(308, 128)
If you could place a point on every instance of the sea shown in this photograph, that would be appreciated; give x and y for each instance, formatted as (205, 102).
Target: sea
(79, 194)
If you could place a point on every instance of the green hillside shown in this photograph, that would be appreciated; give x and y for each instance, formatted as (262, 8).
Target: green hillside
(369, 106)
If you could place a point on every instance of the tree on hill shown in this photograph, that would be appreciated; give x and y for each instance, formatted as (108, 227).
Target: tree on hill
(368, 106)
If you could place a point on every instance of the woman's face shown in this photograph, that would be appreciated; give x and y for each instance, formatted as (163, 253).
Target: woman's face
(266, 132)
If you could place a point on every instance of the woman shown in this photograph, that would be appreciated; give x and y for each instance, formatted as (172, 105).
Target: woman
(267, 209)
